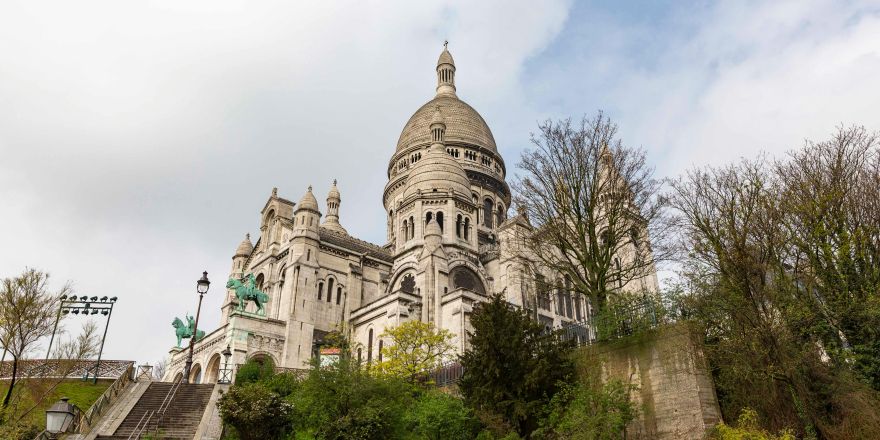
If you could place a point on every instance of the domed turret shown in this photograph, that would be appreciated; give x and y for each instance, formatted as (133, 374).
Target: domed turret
(245, 247)
(437, 170)
(333, 202)
(308, 202)
(445, 73)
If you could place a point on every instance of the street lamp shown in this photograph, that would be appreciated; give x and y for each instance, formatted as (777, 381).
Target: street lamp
(226, 377)
(202, 286)
(59, 416)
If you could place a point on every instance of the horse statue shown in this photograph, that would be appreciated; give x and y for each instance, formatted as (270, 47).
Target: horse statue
(247, 291)
(185, 331)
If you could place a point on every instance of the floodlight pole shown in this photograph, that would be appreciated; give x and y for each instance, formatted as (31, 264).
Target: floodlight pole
(101, 350)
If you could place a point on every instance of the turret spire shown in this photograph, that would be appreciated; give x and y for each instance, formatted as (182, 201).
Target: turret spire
(445, 72)
(333, 201)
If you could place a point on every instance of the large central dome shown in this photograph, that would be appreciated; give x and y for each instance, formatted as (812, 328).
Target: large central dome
(463, 125)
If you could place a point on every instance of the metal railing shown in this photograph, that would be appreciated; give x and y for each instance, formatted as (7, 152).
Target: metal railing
(85, 422)
(155, 417)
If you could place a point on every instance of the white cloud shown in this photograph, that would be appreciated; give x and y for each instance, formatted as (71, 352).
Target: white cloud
(139, 140)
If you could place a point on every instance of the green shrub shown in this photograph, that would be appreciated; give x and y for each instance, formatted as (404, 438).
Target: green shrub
(439, 416)
(589, 411)
(747, 428)
(255, 412)
(255, 371)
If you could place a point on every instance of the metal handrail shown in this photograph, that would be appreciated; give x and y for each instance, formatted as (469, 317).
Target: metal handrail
(138, 429)
(149, 415)
(84, 423)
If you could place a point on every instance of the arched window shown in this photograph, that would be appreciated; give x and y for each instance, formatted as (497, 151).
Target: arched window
(359, 356)
(404, 231)
(458, 226)
(259, 281)
(370, 347)
(380, 350)
(412, 227)
(428, 217)
(502, 215)
(467, 227)
(440, 220)
(487, 213)
(308, 255)
(338, 295)
(329, 289)
(320, 290)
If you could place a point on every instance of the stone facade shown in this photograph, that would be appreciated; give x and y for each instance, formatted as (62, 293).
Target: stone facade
(448, 248)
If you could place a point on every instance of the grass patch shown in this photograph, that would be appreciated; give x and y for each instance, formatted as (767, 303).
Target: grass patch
(82, 394)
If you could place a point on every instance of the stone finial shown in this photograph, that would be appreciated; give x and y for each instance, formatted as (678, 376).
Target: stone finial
(274, 192)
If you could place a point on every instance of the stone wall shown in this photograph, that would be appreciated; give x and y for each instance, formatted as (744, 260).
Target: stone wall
(674, 392)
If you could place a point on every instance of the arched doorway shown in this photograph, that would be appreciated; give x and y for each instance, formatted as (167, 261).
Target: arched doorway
(195, 374)
(212, 370)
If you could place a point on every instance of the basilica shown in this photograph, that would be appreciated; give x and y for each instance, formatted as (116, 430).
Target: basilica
(449, 246)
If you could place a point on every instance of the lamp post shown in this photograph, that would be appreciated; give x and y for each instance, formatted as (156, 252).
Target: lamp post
(84, 306)
(202, 286)
(59, 416)
(226, 376)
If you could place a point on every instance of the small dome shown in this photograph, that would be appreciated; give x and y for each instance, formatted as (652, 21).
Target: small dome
(445, 57)
(245, 248)
(308, 201)
(334, 192)
(437, 170)
(463, 125)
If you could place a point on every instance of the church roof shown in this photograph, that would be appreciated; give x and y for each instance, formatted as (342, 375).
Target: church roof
(463, 125)
(353, 244)
(445, 58)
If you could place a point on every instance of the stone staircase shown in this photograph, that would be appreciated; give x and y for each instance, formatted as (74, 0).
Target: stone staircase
(182, 418)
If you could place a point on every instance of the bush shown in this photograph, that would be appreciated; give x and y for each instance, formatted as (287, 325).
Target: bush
(439, 416)
(747, 428)
(255, 371)
(255, 412)
(589, 411)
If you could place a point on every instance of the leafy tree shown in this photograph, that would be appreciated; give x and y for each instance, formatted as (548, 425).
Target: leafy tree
(594, 203)
(344, 401)
(255, 370)
(747, 428)
(438, 416)
(255, 412)
(590, 411)
(514, 365)
(416, 348)
(27, 314)
(781, 266)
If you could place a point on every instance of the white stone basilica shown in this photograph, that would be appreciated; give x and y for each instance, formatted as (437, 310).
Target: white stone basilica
(448, 249)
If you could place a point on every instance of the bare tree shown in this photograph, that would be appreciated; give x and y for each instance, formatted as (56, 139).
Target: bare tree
(595, 205)
(27, 314)
(159, 368)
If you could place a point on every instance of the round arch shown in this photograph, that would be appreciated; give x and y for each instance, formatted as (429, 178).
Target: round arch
(212, 369)
(195, 374)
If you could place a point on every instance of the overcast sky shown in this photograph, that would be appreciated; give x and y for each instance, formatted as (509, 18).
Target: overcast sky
(139, 140)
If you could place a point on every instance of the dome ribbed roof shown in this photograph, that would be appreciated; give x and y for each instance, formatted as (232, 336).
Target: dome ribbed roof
(308, 201)
(436, 170)
(245, 248)
(463, 124)
(334, 192)
(445, 58)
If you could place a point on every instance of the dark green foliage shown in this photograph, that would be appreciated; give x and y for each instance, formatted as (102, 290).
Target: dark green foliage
(255, 412)
(513, 366)
(589, 411)
(346, 402)
(255, 370)
(439, 416)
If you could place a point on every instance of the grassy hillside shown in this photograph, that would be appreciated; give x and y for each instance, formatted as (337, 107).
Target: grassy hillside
(82, 394)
